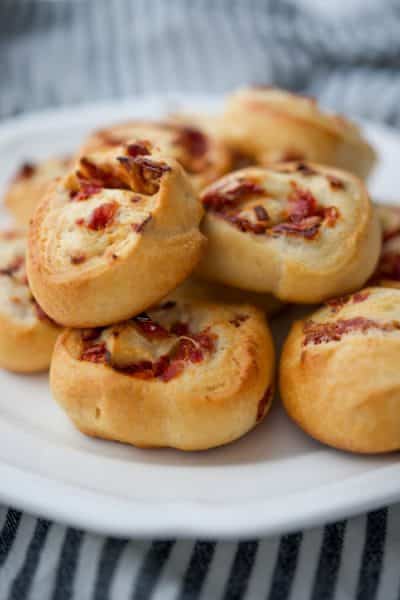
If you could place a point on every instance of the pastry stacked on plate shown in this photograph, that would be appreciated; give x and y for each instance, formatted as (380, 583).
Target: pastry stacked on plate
(160, 249)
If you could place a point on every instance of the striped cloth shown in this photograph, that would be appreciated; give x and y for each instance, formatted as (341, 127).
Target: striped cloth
(62, 52)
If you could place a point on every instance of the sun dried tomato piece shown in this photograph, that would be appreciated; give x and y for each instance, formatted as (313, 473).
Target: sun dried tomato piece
(138, 227)
(26, 171)
(302, 204)
(388, 235)
(78, 259)
(152, 169)
(308, 228)
(95, 353)
(100, 176)
(335, 182)
(331, 215)
(188, 351)
(86, 190)
(161, 365)
(261, 213)
(291, 155)
(305, 169)
(103, 216)
(244, 224)
(360, 296)
(138, 149)
(230, 195)
(206, 340)
(336, 304)
(143, 369)
(179, 328)
(174, 369)
(238, 320)
(149, 327)
(13, 267)
(194, 141)
(263, 403)
(318, 333)
(145, 172)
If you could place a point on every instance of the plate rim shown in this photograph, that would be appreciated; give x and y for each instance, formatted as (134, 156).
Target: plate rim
(122, 517)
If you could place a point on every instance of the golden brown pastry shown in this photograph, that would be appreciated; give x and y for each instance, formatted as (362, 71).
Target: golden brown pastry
(339, 372)
(114, 237)
(387, 272)
(27, 335)
(29, 186)
(186, 374)
(272, 125)
(202, 154)
(300, 231)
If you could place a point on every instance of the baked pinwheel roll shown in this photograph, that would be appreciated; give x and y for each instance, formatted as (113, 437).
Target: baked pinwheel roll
(387, 272)
(202, 154)
(29, 186)
(27, 335)
(199, 289)
(339, 372)
(272, 125)
(300, 231)
(114, 237)
(186, 374)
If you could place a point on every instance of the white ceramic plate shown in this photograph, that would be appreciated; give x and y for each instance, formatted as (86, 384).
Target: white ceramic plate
(275, 479)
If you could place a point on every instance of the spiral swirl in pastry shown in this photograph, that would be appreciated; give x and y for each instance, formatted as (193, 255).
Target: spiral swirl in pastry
(298, 230)
(186, 374)
(113, 237)
(202, 154)
(339, 373)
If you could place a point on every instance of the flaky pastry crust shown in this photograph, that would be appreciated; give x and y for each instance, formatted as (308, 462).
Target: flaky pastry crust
(113, 237)
(339, 375)
(27, 335)
(203, 154)
(301, 231)
(29, 186)
(186, 374)
(272, 125)
(387, 272)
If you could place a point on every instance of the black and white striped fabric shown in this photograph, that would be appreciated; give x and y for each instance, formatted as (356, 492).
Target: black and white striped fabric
(355, 559)
(61, 52)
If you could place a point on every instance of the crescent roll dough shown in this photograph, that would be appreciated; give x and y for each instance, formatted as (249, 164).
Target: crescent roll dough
(113, 237)
(29, 185)
(202, 154)
(272, 125)
(27, 335)
(387, 272)
(186, 374)
(339, 372)
(301, 231)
